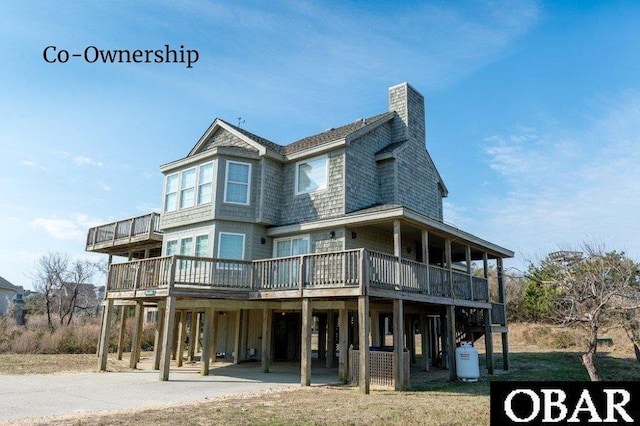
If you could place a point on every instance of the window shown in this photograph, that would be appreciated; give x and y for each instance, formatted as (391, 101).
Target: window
(291, 246)
(193, 186)
(186, 249)
(205, 179)
(202, 245)
(287, 271)
(231, 246)
(171, 193)
(311, 175)
(172, 247)
(187, 188)
(237, 184)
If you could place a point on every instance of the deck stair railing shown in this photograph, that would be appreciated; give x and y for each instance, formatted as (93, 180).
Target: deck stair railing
(350, 268)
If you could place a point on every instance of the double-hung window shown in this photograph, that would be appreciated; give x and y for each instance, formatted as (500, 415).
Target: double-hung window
(187, 188)
(230, 246)
(193, 186)
(186, 249)
(205, 180)
(311, 175)
(237, 187)
(171, 193)
(172, 247)
(202, 247)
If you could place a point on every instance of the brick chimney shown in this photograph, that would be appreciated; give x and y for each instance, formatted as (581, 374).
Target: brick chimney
(409, 104)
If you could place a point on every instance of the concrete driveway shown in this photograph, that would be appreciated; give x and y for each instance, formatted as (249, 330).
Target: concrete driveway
(32, 396)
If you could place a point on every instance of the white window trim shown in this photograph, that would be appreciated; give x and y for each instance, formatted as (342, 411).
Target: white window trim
(195, 188)
(326, 182)
(177, 192)
(195, 243)
(167, 246)
(221, 265)
(295, 237)
(198, 184)
(226, 181)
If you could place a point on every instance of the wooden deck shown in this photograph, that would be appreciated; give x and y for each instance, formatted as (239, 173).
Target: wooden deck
(135, 234)
(323, 275)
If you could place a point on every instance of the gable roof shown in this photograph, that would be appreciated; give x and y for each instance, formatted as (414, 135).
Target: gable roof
(353, 130)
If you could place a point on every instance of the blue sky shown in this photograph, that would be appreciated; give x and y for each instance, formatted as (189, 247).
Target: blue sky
(533, 108)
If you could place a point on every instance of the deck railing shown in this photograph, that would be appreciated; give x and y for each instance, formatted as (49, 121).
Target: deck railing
(351, 268)
(127, 228)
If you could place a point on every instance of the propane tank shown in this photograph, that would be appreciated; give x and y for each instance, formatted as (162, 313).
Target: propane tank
(467, 364)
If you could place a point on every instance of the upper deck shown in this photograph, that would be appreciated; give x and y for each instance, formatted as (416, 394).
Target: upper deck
(128, 237)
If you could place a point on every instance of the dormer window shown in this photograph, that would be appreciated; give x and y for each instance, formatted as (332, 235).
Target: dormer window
(311, 175)
(237, 185)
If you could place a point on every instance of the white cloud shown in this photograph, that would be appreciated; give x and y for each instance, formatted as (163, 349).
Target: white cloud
(86, 161)
(28, 163)
(68, 228)
(564, 189)
(105, 186)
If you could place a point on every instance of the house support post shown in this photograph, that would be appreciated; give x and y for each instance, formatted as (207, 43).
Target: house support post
(104, 334)
(488, 340)
(424, 341)
(176, 336)
(182, 336)
(398, 344)
(136, 339)
(322, 337)
(305, 356)
(193, 327)
(121, 332)
(331, 338)
(167, 337)
(363, 314)
(157, 339)
(505, 335)
(410, 337)
(375, 328)
(267, 319)
(343, 337)
(451, 341)
(237, 336)
(207, 341)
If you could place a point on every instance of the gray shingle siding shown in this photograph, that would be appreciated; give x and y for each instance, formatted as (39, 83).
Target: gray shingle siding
(417, 181)
(271, 197)
(223, 138)
(233, 211)
(362, 171)
(191, 215)
(387, 181)
(320, 204)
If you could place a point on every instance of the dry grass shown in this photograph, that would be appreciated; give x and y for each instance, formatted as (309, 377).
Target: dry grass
(437, 401)
(299, 406)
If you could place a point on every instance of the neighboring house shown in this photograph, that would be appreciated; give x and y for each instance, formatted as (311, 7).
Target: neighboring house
(86, 295)
(345, 226)
(8, 292)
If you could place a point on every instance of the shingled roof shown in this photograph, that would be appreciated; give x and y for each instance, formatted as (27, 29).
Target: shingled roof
(313, 141)
(332, 134)
(262, 141)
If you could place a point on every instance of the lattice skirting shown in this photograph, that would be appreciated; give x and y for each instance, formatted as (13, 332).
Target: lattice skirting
(380, 368)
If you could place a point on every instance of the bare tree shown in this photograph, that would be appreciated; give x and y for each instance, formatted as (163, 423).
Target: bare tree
(59, 280)
(593, 291)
